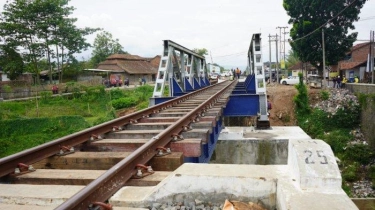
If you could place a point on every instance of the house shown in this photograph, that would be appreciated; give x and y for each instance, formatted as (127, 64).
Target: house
(133, 67)
(304, 68)
(355, 62)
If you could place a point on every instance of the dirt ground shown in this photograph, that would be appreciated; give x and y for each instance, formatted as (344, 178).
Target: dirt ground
(281, 98)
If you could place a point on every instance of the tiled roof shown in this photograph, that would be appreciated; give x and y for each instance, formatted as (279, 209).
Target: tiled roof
(357, 46)
(132, 64)
(350, 65)
(125, 56)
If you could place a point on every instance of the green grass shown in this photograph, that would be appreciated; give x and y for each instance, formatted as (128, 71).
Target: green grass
(25, 124)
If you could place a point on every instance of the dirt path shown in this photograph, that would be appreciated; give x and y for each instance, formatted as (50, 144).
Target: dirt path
(281, 97)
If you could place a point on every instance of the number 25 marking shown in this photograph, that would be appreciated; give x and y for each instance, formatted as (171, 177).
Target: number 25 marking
(320, 153)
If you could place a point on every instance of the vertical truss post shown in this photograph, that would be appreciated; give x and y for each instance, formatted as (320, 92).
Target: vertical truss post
(255, 62)
(180, 69)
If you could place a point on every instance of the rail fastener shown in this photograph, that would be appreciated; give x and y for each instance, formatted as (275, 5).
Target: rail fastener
(95, 137)
(22, 169)
(116, 128)
(177, 137)
(187, 128)
(101, 206)
(143, 171)
(133, 121)
(162, 151)
(65, 150)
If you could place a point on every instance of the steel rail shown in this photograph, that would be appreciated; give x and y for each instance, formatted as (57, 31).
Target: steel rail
(112, 180)
(35, 154)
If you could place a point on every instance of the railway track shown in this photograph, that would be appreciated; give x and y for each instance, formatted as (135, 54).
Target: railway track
(136, 149)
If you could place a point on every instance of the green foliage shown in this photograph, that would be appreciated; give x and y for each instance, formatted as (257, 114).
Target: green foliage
(104, 46)
(124, 102)
(45, 96)
(306, 17)
(324, 95)
(20, 134)
(346, 187)
(337, 139)
(350, 173)
(143, 105)
(301, 99)
(363, 98)
(11, 62)
(201, 51)
(20, 129)
(117, 93)
(292, 58)
(40, 27)
(360, 153)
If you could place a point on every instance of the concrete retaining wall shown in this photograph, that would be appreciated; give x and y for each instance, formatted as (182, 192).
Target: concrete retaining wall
(250, 151)
(361, 88)
(368, 111)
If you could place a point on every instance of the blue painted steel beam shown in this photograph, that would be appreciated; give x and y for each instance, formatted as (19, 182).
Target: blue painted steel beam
(242, 105)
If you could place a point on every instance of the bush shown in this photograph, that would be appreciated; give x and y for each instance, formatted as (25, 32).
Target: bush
(301, 99)
(360, 153)
(124, 102)
(350, 173)
(324, 95)
(337, 139)
(117, 93)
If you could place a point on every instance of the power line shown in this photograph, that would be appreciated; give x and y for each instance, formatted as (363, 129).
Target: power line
(325, 22)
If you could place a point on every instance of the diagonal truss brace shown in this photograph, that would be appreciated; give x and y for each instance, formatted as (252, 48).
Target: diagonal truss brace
(180, 68)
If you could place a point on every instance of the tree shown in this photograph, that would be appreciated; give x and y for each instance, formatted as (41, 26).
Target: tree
(292, 58)
(40, 27)
(104, 46)
(308, 16)
(201, 51)
(11, 62)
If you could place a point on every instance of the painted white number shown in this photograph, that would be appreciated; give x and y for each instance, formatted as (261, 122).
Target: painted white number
(320, 154)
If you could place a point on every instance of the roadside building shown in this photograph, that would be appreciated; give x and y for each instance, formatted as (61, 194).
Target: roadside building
(354, 64)
(304, 68)
(133, 67)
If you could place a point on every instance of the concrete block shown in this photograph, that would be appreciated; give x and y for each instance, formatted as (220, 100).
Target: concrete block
(314, 165)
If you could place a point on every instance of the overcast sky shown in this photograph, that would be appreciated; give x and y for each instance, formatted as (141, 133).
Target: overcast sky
(223, 27)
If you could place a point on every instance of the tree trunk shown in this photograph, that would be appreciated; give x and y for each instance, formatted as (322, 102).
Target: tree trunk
(58, 64)
(62, 62)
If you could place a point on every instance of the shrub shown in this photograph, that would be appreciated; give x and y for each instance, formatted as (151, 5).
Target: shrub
(45, 96)
(117, 93)
(124, 102)
(301, 99)
(324, 95)
(350, 172)
(360, 153)
(337, 139)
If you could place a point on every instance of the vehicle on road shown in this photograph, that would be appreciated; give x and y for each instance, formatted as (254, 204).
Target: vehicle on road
(215, 76)
(291, 80)
(225, 74)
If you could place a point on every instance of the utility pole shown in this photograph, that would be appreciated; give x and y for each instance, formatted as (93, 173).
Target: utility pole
(372, 55)
(324, 56)
(273, 39)
(277, 63)
(269, 70)
(282, 46)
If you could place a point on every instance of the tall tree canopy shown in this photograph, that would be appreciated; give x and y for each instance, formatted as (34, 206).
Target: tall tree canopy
(10, 62)
(201, 51)
(292, 58)
(104, 46)
(42, 29)
(307, 16)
